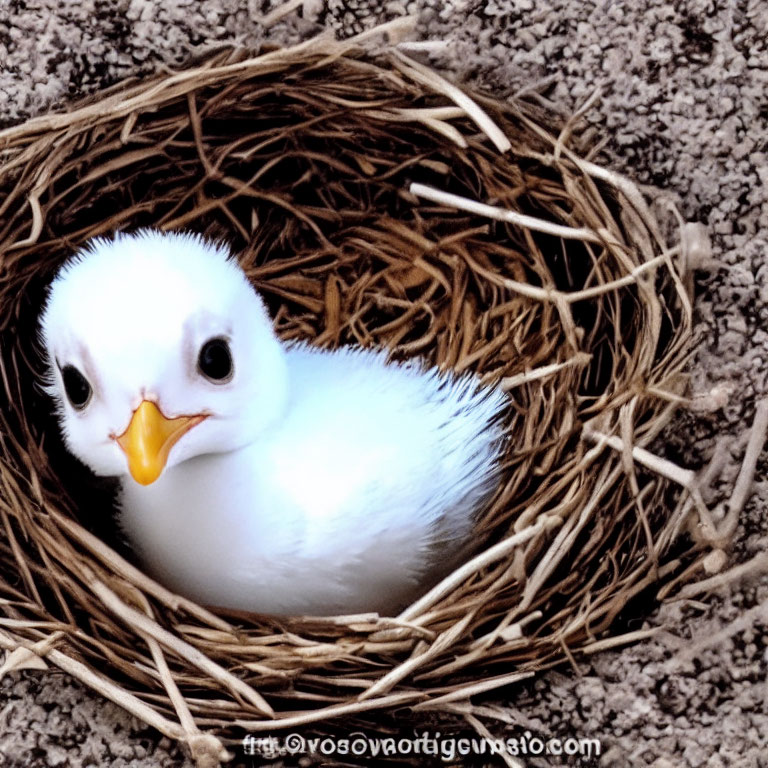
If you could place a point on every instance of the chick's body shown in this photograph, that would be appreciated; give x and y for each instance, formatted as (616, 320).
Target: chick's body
(339, 483)
(345, 504)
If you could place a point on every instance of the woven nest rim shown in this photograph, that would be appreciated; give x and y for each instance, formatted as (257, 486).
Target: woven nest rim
(83, 607)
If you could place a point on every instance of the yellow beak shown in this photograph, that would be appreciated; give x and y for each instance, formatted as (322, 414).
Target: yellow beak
(149, 438)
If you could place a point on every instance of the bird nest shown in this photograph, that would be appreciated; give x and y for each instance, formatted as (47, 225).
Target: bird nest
(372, 203)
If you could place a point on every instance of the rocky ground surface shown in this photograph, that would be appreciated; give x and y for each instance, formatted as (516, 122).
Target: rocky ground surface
(684, 106)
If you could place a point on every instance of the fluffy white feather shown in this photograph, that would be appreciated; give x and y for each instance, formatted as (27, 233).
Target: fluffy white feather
(318, 482)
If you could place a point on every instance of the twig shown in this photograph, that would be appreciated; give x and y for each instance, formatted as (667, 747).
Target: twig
(757, 565)
(430, 78)
(496, 552)
(271, 18)
(409, 666)
(743, 487)
(182, 649)
(422, 46)
(619, 640)
(103, 686)
(542, 372)
(477, 724)
(663, 467)
(502, 214)
(464, 692)
(296, 719)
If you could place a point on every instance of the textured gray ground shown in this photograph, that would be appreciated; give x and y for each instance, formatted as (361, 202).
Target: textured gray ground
(685, 107)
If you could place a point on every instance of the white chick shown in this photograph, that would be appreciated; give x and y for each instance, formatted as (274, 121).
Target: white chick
(256, 475)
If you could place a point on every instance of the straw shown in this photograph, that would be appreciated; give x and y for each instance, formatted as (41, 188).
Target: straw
(372, 203)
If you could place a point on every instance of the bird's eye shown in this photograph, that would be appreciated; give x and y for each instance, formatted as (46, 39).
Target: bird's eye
(215, 360)
(76, 386)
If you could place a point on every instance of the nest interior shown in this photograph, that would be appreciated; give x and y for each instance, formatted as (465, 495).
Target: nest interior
(319, 164)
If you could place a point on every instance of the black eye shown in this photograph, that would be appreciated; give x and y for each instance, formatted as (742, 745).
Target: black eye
(215, 360)
(76, 386)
